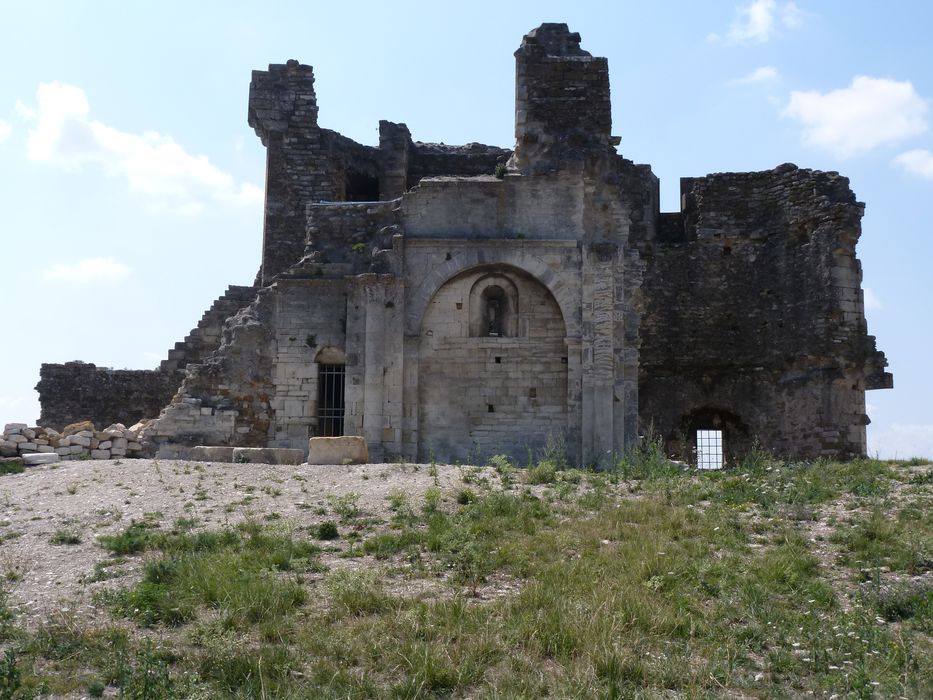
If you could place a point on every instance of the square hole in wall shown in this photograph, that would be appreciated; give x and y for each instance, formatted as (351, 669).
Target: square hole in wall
(533, 392)
(459, 305)
(490, 408)
(709, 449)
(563, 360)
(498, 360)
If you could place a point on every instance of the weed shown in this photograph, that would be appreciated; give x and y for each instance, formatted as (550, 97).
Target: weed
(542, 473)
(465, 497)
(65, 536)
(432, 500)
(12, 467)
(327, 531)
(356, 592)
(345, 506)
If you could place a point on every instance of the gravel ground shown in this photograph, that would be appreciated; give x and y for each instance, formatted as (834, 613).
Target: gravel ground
(91, 498)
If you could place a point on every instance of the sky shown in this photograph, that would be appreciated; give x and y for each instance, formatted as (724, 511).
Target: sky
(131, 185)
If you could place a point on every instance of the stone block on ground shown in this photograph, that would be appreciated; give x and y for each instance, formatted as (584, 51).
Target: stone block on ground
(8, 449)
(40, 458)
(78, 427)
(100, 454)
(11, 428)
(268, 455)
(28, 447)
(172, 451)
(349, 449)
(211, 453)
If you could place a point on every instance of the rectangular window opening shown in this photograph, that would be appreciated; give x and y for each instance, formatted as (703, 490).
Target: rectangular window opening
(709, 449)
(330, 401)
(490, 408)
(498, 360)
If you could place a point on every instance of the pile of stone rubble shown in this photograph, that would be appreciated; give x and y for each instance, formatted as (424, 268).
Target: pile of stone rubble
(76, 441)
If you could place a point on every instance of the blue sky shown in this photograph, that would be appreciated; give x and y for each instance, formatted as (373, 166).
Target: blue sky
(130, 183)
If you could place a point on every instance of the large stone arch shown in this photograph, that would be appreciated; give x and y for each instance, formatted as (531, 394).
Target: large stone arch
(488, 393)
(567, 298)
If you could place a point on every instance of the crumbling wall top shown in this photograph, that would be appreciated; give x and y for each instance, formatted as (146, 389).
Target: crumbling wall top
(553, 39)
(282, 97)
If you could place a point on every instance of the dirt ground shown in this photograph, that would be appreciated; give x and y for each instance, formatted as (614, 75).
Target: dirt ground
(93, 498)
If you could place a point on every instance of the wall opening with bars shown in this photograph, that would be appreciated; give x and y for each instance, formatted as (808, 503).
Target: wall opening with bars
(709, 449)
(330, 400)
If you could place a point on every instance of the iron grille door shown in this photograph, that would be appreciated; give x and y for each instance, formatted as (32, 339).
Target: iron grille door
(330, 383)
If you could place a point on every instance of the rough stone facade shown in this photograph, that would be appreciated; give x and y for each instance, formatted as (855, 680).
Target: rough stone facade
(460, 301)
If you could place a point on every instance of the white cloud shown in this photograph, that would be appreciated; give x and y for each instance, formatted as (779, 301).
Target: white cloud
(870, 112)
(764, 74)
(5, 130)
(759, 21)
(871, 301)
(917, 162)
(152, 164)
(24, 111)
(902, 441)
(88, 270)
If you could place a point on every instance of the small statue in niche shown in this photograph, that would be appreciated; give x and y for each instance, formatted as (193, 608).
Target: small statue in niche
(493, 317)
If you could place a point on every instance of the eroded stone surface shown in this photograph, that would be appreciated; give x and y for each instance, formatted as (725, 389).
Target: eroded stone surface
(337, 450)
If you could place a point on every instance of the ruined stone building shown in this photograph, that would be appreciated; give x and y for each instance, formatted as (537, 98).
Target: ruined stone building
(460, 301)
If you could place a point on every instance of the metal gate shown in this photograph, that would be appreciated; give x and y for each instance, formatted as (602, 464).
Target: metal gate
(709, 449)
(330, 402)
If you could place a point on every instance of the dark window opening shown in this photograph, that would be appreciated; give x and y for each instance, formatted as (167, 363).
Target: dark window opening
(330, 400)
(533, 392)
(361, 188)
(498, 360)
(494, 308)
(490, 408)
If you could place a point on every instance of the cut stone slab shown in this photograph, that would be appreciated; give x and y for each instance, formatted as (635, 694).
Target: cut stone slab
(78, 427)
(268, 455)
(205, 453)
(14, 427)
(349, 449)
(41, 458)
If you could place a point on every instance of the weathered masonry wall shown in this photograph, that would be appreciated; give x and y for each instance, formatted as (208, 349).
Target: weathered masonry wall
(79, 391)
(477, 300)
(482, 395)
(754, 317)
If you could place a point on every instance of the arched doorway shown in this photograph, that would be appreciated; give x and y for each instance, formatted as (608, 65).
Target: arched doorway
(492, 367)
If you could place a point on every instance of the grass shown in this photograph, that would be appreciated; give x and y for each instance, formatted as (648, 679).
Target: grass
(646, 581)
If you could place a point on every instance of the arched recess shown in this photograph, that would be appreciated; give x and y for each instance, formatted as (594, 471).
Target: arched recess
(566, 297)
(734, 432)
(481, 394)
(494, 307)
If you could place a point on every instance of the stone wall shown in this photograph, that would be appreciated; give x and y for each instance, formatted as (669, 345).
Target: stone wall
(754, 316)
(75, 441)
(78, 391)
(482, 395)
(562, 106)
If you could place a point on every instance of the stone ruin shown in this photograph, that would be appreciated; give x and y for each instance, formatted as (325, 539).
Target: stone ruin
(458, 301)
